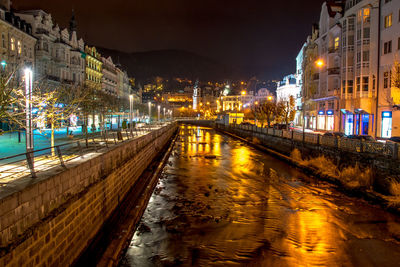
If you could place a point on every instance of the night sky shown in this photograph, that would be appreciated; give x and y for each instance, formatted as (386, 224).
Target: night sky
(255, 36)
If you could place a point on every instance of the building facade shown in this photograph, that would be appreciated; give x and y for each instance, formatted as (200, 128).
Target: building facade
(328, 42)
(59, 55)
(109, 77)
(94, 68)
(388, 115)
(17, 46)
(360, 39)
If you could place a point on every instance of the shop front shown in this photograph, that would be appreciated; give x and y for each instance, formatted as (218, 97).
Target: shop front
(386, 124)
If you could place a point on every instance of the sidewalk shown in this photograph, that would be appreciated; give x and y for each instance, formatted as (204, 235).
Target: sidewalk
(9, 144)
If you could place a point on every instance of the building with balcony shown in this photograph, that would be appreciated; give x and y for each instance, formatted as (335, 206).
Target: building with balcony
(59, 55)
(236, 102)
(360, 38)
(388, 115)
(17, 46)
(326, 97)
(299, 119)
(110, 77)
(94, 68)
(310, 80)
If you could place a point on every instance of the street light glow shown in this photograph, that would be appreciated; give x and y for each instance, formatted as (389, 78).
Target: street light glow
(244, 92)
(320, 63)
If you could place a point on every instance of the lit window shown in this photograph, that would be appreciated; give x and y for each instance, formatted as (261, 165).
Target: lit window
(19, 47)
(337, 43)
(388, 21)
(12, 44)
(366, 15)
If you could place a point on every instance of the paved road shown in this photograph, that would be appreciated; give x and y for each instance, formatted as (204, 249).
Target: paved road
(222, 203)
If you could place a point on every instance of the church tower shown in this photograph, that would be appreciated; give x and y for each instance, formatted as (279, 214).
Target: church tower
(72, 23)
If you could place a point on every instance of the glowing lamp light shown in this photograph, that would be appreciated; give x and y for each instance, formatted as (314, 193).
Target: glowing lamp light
(320, 63)
(244, 92)
(3, 63)
(269, 98)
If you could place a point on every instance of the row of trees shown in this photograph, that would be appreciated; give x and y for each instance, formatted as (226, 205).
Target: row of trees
(271, 112)
(54, 104)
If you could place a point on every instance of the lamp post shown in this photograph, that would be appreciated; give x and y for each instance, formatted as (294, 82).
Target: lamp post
(28, 106)
(130, 110)
(149, 104)
(164, 113)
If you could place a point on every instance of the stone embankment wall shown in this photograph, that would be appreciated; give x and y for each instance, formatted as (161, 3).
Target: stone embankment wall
(49, 221)
(384, 167)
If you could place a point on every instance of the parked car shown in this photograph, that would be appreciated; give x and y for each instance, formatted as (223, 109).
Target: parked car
(362, 137)
(336, 134)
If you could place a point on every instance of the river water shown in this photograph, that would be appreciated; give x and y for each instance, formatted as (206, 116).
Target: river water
(220, 202)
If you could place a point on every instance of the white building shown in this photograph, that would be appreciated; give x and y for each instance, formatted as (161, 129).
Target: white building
(329, 55)
(110, 77)
(286, 88)
(360, 39)
(59, 54)
(299, 83)
(388, 121)
(17, 43)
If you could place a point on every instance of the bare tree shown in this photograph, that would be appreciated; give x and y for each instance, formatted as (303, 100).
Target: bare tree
(287, 110)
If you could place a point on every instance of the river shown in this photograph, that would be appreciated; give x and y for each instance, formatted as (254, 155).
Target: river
(220, 202)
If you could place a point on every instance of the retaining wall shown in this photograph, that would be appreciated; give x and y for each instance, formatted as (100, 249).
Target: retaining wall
(50, 220)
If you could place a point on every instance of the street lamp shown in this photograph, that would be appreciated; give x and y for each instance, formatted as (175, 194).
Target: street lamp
(28, 106)
(158, 112)
(164, 113)
(319, 63)
(149, 111)
(130, 110)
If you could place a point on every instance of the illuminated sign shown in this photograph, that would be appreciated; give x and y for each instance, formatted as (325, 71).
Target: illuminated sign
(386, 114)
(329, 112)
(321, 112)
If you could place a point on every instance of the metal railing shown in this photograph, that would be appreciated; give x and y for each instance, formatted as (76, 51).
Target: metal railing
(31, 163)
(388, 149)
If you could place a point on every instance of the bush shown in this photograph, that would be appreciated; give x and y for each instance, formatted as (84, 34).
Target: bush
(355, 177)
(296, 155)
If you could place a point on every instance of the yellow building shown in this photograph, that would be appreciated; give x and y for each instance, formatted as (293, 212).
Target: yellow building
(94, 67)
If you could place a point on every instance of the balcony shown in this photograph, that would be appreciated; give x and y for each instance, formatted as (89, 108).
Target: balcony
(334, 71)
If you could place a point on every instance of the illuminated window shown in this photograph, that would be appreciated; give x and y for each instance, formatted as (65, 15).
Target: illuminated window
(366, 15)
(337, 43)
(12, 44)
(19, 47)
(388, 21)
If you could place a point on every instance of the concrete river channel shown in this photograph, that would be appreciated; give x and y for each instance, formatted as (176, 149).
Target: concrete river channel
(220, 202)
